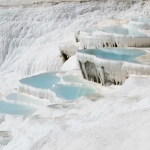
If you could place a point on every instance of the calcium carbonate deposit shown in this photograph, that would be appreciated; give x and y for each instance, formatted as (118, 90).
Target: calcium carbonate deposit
(38, 36)
(111, 65)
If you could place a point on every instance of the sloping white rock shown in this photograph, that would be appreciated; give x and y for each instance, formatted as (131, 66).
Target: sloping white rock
(71, 63)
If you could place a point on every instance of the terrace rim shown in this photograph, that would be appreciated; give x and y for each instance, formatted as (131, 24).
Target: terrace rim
(108, 72)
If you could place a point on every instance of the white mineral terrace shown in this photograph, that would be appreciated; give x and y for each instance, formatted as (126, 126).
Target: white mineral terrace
(107, 71)
(33, 36)
(116, 36)
(55, 87)
(140, 23)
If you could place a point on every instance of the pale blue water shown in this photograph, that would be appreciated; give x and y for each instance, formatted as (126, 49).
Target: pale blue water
(141, 20)
(42, 81)
(73, 79)
(122, 31)
(24, 98)
(15, 109)
(115, 30)
(72, 92)
(119, 54)
(88, 30)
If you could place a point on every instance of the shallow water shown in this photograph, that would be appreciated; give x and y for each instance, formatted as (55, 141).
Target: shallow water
(115, 30)
(42, 81)
(145, 20)
(72, 92)
(74, 79)
(15, 109)
(122, 31)
(119, 54)
(22, 98)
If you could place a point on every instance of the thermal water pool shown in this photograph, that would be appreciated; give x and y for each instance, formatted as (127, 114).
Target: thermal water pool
(42, 81)
(15, 109)
(114, 30)
(118, 54)
(24, 99)
(72, 92)
(123, 31)
(22, 104)
(111, 65)
(48, 80)
(74, 79)
(140, 23)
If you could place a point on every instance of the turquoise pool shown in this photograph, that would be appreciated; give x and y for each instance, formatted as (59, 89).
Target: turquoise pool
(72, 92)
(122, 31)
(74, 79)
(15, 109)
(119, 54)
(22, 98)
(42, 81)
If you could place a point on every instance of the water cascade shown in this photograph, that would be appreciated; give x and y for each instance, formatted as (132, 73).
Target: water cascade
(110, 65)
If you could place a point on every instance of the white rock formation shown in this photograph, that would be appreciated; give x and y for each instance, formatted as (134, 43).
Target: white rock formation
(100, 39)
(41, 93)
(106, 71)
(71, 64)
(30, 34)
(69, 45)
(68, 48)
(118, 121)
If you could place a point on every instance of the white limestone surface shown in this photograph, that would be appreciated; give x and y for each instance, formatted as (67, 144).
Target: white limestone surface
(68, 48)
(117, 71)
(71, 63)
(139, 25)
(41, 93)
(114, 121)
(100, 39)
(29, 39)
(141, 22)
